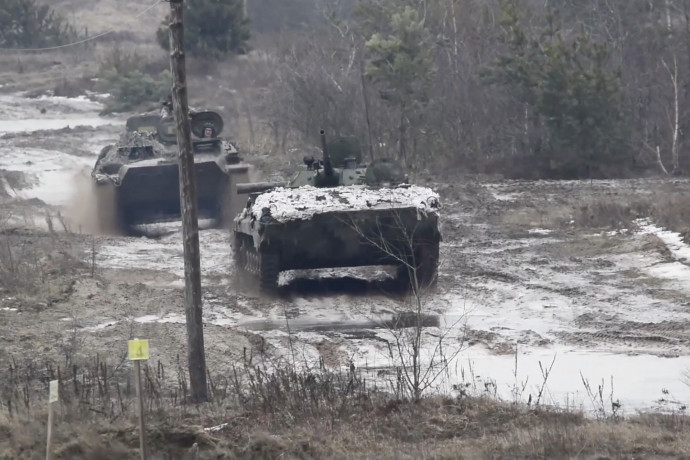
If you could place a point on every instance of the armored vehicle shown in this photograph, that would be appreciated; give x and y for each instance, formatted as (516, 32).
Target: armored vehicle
(137, 179)
(337, 212)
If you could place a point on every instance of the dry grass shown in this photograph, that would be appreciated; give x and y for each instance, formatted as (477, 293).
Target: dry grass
(118, 15)
(614, 214)
(667, 206)
(38, 268)
(311, 414)
(617, 207)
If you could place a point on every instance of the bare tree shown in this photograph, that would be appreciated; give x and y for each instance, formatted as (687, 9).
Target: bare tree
(420, 348)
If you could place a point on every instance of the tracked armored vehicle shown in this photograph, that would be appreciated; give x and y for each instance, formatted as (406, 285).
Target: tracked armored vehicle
(137, 179)
(338, 213)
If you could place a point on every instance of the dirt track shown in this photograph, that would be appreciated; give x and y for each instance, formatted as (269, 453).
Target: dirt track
(564, 269)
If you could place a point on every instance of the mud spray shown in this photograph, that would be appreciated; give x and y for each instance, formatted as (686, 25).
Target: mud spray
(91, 209)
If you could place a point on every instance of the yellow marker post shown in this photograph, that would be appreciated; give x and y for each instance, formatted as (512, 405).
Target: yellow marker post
(138, 350)
(53, 397)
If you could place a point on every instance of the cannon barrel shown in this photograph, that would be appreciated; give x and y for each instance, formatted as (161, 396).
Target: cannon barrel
(327, 165)
(256, 187)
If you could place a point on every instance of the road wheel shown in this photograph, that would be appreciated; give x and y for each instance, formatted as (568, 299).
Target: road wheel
(238, 253)
(269, 269)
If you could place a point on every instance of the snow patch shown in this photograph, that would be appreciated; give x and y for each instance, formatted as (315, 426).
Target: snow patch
(672, 240)
(678, 270)
(166, 253)
(147, 319)
(540, 231)
(216, 428)
(54, 172)
(21, 114)
(672, 271)
(173, 319)
(98, 327)
(288, 204)
(40, 124)
(619, 376)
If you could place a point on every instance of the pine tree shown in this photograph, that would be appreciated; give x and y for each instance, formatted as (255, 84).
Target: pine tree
(400, 62)
(25, 23)
(213, 28)
(568, 86)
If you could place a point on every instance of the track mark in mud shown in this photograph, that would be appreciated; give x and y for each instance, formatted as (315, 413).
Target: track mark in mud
(565, 291)
(495, 275)
(492, 341)
(332, 353)
(655, 338)
(627, 342)
(497, 343)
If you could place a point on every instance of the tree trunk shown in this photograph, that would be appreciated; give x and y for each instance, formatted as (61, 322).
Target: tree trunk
(188, 205)
(365, 96)
(402, 152)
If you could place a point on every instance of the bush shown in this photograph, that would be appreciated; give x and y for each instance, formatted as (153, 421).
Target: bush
(131, 90)
(133, 81)
(25, 24)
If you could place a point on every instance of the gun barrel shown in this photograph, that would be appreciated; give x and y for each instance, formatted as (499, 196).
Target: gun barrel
(254, 187)
(327, 165)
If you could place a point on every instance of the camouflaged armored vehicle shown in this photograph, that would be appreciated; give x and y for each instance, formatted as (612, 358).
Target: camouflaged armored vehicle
(338, 213)
(137, 179)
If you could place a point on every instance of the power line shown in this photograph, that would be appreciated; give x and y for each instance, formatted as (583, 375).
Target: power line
(67, 45)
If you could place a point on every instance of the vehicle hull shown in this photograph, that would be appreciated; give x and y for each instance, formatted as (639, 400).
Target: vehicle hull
(151, 193)
(345, 239)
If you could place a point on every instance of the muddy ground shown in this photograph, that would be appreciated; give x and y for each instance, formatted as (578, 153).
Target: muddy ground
(590, 276)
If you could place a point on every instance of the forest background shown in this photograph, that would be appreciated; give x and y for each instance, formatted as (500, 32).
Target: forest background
(522, 88)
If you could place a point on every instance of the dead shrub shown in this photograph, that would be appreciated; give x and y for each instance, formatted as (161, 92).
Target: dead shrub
(37, 266)
(672, 211)
(285, 412)
(98, 396)
(617, 213)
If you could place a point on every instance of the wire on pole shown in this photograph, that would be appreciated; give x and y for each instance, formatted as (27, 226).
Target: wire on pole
(80, 42)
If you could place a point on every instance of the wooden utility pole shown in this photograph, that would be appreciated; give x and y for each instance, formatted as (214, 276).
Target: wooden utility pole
(188, 205)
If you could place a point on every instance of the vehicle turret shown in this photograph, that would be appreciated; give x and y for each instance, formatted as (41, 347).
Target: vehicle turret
(328, 177)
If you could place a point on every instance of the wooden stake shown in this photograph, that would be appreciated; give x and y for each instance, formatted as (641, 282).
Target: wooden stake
(188, 204)
(140, 409)
(53, 397)
(49, 442)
